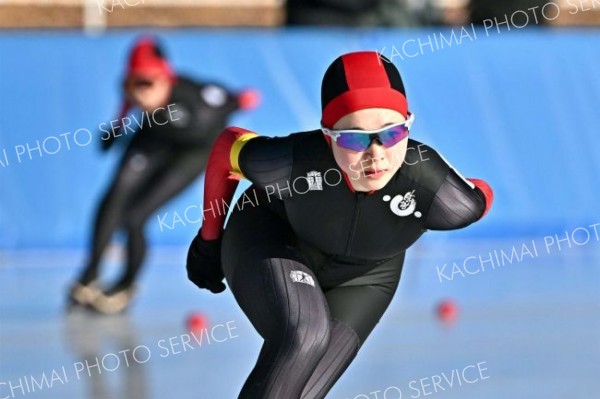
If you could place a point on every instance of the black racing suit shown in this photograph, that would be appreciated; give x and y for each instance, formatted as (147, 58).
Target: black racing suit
(167, 153)
(314, 265)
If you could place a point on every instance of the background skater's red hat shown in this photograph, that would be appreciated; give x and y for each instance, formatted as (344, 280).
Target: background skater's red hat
(147, 60)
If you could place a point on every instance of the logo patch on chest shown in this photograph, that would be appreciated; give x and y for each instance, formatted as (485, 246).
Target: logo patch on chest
(403, 205)
(315, 180)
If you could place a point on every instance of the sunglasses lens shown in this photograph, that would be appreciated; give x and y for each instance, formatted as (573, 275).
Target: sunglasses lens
(393, 135)
(354, 141)
(362, 141)
(140, 83)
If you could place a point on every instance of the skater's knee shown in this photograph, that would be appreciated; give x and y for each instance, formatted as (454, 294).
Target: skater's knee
(320, 335)
(134, 220)
(307, 339)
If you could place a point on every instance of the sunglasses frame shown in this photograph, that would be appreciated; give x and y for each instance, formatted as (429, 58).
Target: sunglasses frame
(335, 133)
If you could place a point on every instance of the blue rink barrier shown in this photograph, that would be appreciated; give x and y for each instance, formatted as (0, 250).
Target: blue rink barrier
(518, 109)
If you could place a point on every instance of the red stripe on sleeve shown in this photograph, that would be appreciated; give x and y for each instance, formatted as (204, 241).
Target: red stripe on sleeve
(487, 193)
(219, 186)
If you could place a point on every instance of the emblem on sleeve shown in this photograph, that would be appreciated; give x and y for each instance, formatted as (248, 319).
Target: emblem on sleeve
(213, 95)
(403, 205)
(299, 276)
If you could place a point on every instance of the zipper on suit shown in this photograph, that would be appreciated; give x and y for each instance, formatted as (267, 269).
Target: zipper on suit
(360, 196)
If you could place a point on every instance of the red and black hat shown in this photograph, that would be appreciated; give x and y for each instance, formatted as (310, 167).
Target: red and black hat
(148, 60)
(360, 80)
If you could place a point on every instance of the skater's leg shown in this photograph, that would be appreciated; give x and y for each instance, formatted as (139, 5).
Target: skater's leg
(177, 174)
(355, 310)
(137, 166)
(282, 299)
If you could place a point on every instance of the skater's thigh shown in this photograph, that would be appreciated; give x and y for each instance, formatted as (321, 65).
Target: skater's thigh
(269, 278)
(140, 162)
(256, 231)
(359, 307)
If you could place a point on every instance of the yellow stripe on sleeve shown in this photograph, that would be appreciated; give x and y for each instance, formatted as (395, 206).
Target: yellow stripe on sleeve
(236, 148)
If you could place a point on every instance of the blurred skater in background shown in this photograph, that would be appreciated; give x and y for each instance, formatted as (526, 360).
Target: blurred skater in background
(180, 118)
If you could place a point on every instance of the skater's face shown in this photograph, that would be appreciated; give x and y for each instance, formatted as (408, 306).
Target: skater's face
(372, 168)
(149, 92)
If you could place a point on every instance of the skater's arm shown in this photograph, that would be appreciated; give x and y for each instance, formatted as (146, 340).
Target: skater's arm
(198, 112)
(220, 181)
(222, 178)
(239, 153)
(458, 202)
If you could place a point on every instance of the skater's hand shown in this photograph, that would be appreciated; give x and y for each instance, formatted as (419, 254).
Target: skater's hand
(204, 264)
